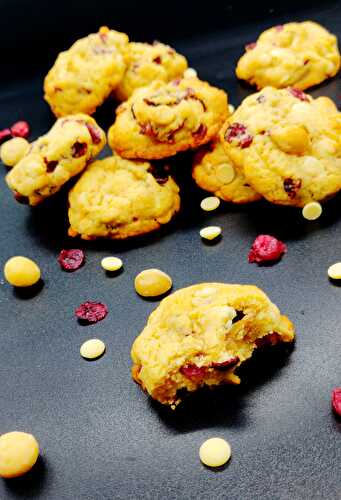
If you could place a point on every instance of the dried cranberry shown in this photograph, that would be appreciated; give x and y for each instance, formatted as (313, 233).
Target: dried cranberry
(291, 186)
(91, 312)
(20, 198)
(266, 248)
(336, 400)
(160, 172)
(94, 132)
(238, 131)
(50, 165)
(20, 129)
(201, 132)
(157, 60)
(226, 365)
(147, 129)
(71, 260)
(279, 27)
(261, 98)
(79, 149)
(193, 372)
(270, 339)
(299, 94)
(250, 46)
(5, 134)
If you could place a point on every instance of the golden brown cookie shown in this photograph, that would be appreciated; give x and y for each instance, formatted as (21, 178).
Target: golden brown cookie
(200, 335)
(117, 198)
(294, 54)
(84, 76)
(164, 118)
(55, 157)
(214, 171)
(148, 63)
(288, 145)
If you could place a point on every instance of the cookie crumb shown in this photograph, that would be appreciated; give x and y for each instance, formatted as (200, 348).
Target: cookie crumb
(19, 452)
(152, 283)
(13, 150)
(21, 272)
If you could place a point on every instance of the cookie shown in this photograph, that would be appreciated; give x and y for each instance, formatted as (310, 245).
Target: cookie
(54, 158)
(215, 172)
(199, 336)
(84, 76)
(148, 63)
(117, 198)
(164, 118)
(291, 55)
(288, 145)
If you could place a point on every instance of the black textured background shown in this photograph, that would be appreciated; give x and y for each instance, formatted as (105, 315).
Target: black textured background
(100, 436)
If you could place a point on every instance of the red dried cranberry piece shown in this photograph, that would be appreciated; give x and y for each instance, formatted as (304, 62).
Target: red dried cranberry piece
(193, 372)
(157, 60)
(266, 248)
(336, 400)
(5, 134)
(299, 94)
(79, 149)
(201, 132)
(71, 260)
(20, 198)
(291, 186)
(238, 131)
(20, 129)
(50, 165)
(94, 132)
(250, 46)
(147, 129)
(270, 339)
(279, 27)
(226, 365)
(91, 312)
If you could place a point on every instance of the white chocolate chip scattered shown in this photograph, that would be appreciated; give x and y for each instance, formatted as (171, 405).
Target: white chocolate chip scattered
(190, 73)
(92, 349)
(312, 211)
(215, 452)
(111, 263)
(210, 232)
(210, 203)
(334, 271)
(231, 108)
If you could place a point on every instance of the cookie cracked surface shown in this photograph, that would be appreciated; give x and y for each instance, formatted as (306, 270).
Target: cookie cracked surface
(149, 62)
(117, 198)
(294, 54)
(199, 335)
(164, 118)
(55, 157)
(83, 76)
(288, 145)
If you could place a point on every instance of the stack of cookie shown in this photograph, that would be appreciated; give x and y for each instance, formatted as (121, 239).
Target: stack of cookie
(280, 144)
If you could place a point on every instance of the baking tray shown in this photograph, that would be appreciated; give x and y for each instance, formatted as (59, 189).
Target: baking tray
(101, 437)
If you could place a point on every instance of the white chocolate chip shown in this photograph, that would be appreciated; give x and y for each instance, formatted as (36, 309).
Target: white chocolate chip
(312, 211)
(231, 108)
(210, 203)
(215, 452)
(210, 232)
(190, 73)
(111, 263)
(92, 349)
(334, 271)
(225, 173)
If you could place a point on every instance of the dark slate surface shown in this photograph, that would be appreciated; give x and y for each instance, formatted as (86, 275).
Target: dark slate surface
(100, 436)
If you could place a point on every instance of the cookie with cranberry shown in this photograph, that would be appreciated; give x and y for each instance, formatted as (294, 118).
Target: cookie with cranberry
(214, 171)
(164, 118)
(117, 198)
(149, 62)
(54, 158)
(84, 75)
(288, 145)
(200, 335)
(290, 55)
